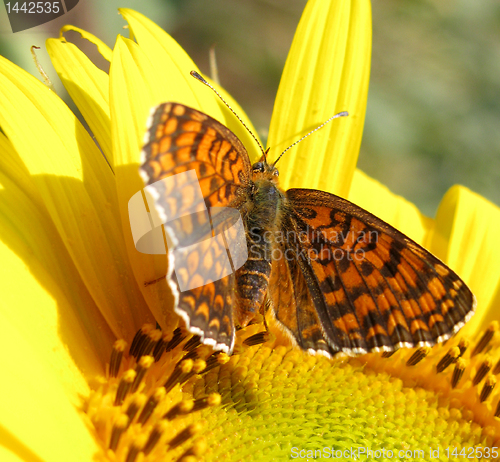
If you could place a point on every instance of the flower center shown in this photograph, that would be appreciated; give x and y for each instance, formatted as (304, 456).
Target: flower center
(461, 371)
(142, 411)
(173, 398)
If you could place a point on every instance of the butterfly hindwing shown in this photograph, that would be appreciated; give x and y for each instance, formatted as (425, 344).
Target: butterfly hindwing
(373, 288)
(208, 311)
(291, 304)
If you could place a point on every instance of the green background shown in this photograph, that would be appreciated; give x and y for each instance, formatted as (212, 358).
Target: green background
(433, 115)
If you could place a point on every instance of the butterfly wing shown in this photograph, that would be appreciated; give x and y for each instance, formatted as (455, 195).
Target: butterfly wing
(180, 138)
(202, 165)
(292, 307)
(363, 285)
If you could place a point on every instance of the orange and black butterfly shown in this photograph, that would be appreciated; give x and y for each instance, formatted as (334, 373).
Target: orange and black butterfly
(334, 277)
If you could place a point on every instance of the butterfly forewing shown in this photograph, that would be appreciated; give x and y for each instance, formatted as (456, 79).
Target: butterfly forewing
(179, 140)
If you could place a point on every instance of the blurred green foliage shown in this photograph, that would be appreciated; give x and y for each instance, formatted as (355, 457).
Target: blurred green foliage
(433, 113)
(433, 116)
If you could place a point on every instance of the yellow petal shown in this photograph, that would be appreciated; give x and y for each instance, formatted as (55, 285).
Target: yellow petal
(103, 49)
(36, 309)
(395, 210)
(327, 71)
(252, 147)
(76, 186)
(143, 75)
(43, 294)
(88, 87)
(10, 456)
(170, 66)
(38, 420)
(133, 92)
(465, 236)
(173, 65)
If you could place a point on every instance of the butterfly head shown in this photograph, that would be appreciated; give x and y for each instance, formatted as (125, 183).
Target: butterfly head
(263, 171)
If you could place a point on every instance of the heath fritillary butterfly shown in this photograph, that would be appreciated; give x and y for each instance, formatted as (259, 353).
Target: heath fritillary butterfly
(334, 277)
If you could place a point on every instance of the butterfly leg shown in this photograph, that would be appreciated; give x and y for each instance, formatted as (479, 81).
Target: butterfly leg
(266, 306)
(154, 281)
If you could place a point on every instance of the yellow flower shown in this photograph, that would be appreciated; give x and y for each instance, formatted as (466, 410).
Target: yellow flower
(72, 282)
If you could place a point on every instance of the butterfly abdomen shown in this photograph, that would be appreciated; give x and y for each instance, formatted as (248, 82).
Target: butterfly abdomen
(261, 219)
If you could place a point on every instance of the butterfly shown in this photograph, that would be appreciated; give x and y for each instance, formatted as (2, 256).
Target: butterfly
(330, 275)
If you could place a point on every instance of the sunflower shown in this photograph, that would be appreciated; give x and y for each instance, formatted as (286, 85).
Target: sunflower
(109, 384)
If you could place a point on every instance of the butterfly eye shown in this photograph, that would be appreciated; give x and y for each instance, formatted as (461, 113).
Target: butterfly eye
(276, 172)
(258, 167)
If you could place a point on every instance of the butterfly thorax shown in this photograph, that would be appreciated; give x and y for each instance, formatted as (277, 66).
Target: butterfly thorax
(262, 218)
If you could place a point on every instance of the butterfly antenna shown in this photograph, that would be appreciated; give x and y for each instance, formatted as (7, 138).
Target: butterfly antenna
(340, 114)
(202, 80)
